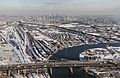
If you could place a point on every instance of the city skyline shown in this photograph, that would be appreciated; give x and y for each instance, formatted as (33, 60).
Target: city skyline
(62, 7)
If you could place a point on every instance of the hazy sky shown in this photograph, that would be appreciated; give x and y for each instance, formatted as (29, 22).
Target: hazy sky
(64, 7)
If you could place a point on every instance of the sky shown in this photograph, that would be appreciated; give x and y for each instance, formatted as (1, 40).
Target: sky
(61, 7)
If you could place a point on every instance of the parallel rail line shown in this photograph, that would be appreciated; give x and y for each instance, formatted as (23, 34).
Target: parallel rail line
(58, 64)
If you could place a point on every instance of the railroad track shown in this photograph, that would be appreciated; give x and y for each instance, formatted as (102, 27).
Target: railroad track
(58, 64)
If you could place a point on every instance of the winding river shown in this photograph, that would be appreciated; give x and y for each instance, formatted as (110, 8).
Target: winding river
(72, 53)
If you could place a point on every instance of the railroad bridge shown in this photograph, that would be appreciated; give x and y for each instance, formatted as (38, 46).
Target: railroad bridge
(36, 67)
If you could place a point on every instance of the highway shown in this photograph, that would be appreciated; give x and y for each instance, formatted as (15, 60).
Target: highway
(25, 45)
(84, 34)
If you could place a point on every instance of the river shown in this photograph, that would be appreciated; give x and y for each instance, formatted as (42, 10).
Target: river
(72, 53)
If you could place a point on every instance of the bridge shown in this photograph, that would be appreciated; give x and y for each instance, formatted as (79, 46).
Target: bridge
(58, 64)
(8, 70)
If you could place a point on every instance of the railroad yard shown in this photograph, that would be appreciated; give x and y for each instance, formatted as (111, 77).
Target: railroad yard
(34, 48)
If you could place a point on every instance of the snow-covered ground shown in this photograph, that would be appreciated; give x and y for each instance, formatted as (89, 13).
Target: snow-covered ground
(15, 50)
